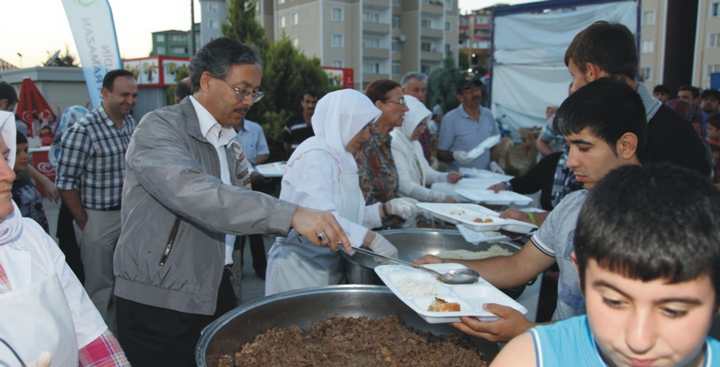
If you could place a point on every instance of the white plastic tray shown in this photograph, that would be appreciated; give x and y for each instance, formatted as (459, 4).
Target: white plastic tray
(274, 169)
(450, 212)
(465, 214)
(494, 198)
(483, 173)
(471, 297)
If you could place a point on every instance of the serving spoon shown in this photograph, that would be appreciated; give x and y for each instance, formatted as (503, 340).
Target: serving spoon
(455, 276)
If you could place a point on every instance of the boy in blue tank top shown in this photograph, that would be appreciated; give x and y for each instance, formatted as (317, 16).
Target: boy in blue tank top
(647, 248)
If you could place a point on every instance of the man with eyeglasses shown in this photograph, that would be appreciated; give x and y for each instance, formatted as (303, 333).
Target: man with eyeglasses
(186, 198)
(465, 127)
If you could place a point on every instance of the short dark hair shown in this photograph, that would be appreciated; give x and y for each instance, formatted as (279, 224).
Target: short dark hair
(651, 222)
(710, 93)
(378, 90)
(8, 92)
(20, 138)
(183, 88)
(413, 75)
(608, 107)
(111, 75)
(311, 93)
(695, 91)
(610, 46)
(217, 56)
(469, 83)
(661, 89)
(713, 120)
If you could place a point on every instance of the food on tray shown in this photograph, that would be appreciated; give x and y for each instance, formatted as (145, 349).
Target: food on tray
(494, 250)
(345, 341)
(483, 220)
(441, 305)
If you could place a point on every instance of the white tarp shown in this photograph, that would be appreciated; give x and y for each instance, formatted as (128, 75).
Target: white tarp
(529, 71)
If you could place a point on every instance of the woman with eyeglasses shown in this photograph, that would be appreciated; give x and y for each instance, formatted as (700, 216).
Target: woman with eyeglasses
(376, 167)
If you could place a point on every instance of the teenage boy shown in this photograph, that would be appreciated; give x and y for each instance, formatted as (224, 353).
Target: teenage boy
(647, 245)
(600, 139)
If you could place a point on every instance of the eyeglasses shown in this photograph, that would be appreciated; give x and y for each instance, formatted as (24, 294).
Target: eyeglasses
(401, 101)
(255, 95)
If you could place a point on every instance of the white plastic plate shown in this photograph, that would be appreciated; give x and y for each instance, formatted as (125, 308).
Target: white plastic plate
(470, 215)
(471, 297)
(494, 198)
(274, 169)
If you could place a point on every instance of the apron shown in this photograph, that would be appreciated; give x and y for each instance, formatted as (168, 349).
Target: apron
(296, 263)
(37, 320)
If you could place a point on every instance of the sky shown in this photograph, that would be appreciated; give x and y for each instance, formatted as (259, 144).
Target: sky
(39, 27)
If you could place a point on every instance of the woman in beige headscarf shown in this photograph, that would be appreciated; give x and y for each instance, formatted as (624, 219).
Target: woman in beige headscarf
(414, 172)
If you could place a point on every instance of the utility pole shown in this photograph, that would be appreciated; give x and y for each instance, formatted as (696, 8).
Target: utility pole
(192, 26)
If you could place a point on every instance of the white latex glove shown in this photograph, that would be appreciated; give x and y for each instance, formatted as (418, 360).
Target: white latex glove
(495, 167)
(383, 247)
(462, 157)
(402, 207)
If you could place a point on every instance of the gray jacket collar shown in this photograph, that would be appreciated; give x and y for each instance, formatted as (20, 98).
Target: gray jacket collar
(193, 124)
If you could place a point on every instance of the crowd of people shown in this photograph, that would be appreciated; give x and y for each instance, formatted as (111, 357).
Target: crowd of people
(154, 213)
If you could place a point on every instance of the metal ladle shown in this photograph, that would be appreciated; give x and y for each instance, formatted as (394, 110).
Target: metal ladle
(455, 276)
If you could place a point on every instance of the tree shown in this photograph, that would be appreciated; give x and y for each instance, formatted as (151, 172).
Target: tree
(442, 85)
(63, 60)
(241, 25)
(287, 75)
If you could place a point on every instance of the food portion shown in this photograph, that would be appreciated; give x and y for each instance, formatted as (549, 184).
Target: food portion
(345, 341)
(494, 250)
(441, 305)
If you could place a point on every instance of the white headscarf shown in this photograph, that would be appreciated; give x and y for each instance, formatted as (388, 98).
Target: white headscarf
(417, 113)
(10, 226)
(338, 117)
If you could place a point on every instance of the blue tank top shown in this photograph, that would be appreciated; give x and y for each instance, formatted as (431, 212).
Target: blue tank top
(570, 343)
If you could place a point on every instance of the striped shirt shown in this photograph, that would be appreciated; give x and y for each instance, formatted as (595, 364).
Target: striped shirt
(92, 159)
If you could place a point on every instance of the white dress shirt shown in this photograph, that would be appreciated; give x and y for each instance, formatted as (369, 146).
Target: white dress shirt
(219, 137)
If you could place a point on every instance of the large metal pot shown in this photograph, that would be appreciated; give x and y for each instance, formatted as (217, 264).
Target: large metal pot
(305, 307)
(413, 243)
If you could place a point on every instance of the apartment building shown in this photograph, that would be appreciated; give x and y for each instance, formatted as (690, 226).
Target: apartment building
(213, 15)
(707, 44)
(653, 20)
(377, 38)
(475, 36)
(174, 42)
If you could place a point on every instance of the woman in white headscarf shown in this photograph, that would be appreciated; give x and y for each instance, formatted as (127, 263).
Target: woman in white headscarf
(47, 317)
(414, 172)
(322, 174)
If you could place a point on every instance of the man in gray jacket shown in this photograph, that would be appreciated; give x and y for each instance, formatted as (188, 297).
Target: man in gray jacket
(185, 198)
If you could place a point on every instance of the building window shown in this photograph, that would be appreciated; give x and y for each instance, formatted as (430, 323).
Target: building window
(715, 9)
(373, 16)
(396, 46)
(712, 69)
(396, 3)
(161, 50)
(337, 41)
(648, 17)
(338, 63)
(337, 15)
(372, 42)
(646, 73)
(296, 42)
(396, 21)
(282, 22)
(296, 18)
(396, 68)
(425, 46)
(447, 26)
(647, 47)
(374, 67)
(714, 40)
(160, 38)
(425, 23)
(425, 69)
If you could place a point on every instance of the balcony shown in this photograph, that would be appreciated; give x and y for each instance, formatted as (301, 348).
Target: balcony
(376, 53)
(378, 4)
(432, 7)
(375, 27)
(432, 33)
(431, 56)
